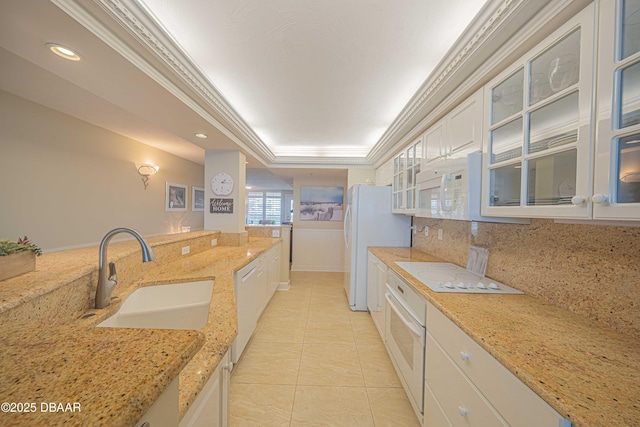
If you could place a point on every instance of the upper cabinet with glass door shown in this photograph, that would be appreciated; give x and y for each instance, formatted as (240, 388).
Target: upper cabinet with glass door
(405, 167)
(617, 163)
(537, 141)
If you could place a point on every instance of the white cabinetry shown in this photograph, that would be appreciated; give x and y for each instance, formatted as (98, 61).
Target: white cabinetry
(211, 407)
(434, 142)
(272, 262)
(384, 174)
(467, 386)
(537, 148)
(269, 284)
(405, 167)
(616, 188)
(376, 282)
(458, 133)
(455, 135)
(164, 411)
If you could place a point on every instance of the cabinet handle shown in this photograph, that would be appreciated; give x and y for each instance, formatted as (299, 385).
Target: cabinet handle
(464, 355)
(577, 200)
(463, 411)
(599, 198)
(228, 367)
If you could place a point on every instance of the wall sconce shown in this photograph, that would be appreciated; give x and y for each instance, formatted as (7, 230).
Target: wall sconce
(146, 170)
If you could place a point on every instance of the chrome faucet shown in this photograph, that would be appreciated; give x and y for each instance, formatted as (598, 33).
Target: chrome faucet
(106, 284)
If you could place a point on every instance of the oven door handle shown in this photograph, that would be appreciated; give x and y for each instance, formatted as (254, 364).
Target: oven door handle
(410, 325)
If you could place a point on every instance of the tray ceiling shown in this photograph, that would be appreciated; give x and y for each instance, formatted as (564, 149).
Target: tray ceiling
(290, 83)
(315, 78)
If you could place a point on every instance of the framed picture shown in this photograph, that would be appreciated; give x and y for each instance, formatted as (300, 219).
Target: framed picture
(321, 203)
(197, 199)
(176, 197)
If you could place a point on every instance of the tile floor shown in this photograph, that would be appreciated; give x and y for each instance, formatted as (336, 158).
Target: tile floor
(314, 362)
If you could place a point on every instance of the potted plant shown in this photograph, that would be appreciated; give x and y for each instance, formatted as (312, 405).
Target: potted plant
(17, 257)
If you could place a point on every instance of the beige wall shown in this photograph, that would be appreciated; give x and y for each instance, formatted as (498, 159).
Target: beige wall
(233, 164)
(316, 182)
(65, 183)
(361, 176)
(317, 245)
(591, 270)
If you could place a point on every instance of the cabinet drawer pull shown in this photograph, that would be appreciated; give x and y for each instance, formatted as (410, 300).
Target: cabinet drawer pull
(464, 355)
(463, 411)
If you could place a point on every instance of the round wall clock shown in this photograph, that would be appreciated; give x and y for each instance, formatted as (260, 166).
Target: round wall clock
(222, 184)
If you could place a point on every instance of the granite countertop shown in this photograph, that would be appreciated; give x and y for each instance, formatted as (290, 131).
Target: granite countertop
(221, 328)
(589, 373)
(113, 375)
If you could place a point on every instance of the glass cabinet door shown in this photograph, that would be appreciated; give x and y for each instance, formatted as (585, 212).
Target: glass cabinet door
(539, 127)
(617, 167)
(414, 157)
(406, 166)
(398, 182)
(628, 174)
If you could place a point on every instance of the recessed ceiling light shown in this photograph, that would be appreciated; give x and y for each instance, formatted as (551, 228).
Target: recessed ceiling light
(201, 135)
(63, 52)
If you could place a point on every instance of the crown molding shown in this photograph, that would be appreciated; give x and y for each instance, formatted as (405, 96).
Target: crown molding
(138, 23)
(502, 31)
(320, 162)
(493, 36)
(487, 23)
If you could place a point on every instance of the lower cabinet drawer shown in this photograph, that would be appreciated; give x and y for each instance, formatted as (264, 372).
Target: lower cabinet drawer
(514, 400)
(461, 403)
(433, 414)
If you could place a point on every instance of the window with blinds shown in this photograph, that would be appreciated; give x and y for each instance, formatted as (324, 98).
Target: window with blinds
(264, 207)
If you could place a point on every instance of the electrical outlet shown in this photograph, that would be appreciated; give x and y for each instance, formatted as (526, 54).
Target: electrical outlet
(426, 231)
(185, 250)
(440, 234)
(275, 232)
(214, 242)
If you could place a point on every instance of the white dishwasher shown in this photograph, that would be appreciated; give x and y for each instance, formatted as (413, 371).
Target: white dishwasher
(247, 284)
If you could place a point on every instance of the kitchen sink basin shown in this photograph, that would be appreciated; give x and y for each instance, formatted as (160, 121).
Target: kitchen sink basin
(173, 306)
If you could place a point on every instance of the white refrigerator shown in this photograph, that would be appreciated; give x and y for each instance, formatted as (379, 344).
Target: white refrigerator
(368, 221)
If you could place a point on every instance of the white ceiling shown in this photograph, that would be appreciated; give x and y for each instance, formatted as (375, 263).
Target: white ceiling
(316, 78)
(296, 85)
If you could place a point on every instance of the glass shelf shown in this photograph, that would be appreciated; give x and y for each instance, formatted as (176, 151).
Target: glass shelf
(555, 69)
(507, 97)
(506, 141)
(504, 184)
(552, 179)
(628, 173)
(630, 40)
(629, 96)
(554, 125)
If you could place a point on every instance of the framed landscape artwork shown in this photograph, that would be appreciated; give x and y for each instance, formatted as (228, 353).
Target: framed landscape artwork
(321, 203)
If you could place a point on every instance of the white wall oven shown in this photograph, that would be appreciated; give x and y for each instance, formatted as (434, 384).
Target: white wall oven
(405, 337)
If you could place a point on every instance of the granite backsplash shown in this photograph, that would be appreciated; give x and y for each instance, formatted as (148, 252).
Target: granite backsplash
(591, 270)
